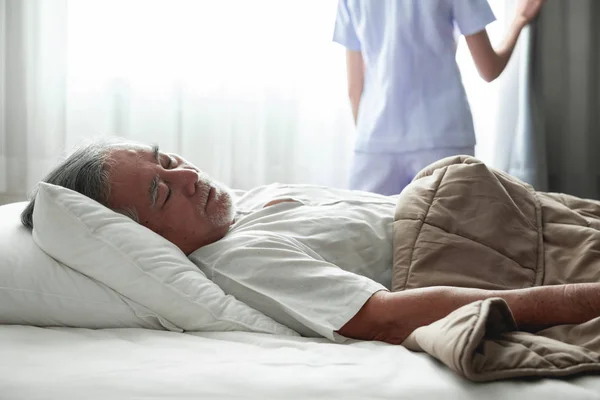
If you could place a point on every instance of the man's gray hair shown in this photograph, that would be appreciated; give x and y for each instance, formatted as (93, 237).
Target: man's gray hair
(85, 171)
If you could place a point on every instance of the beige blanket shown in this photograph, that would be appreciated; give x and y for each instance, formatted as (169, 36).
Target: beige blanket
(461, 223)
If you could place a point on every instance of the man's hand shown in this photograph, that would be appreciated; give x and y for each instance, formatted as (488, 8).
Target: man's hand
(391, 317)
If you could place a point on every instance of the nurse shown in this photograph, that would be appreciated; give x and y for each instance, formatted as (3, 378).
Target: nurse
(405, 88)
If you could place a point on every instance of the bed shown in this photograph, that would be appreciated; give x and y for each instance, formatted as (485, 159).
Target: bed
(65, 363)
(69, 329)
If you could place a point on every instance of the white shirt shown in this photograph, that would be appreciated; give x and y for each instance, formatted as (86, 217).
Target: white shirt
(413, 97)
(310, 264)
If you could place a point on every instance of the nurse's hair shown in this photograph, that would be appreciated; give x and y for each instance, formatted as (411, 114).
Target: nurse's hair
(85, 171)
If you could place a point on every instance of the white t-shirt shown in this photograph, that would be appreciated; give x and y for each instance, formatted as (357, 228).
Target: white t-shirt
(310, 264)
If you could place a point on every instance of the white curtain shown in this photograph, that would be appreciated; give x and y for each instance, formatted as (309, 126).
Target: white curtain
(502, 110)
(250, 91)
(32, 87)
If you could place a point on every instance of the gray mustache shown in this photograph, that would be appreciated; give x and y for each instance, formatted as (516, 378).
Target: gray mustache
(203, 177)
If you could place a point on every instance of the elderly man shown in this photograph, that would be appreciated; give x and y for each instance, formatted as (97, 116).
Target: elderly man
(316, 259)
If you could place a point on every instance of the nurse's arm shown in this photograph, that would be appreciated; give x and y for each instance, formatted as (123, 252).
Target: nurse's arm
(356, 77)
(391, 317)
(491, 62)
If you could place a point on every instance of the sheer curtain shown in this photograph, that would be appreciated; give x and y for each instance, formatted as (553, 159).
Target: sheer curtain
(32, 101)
(503, 111)
(250, 91)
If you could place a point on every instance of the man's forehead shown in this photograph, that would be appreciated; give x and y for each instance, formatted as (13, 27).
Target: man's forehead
(128, 154)
(134, 150)
(128, 168)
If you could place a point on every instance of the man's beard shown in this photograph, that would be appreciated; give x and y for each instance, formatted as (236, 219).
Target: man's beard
(223, 212)
(226, 206)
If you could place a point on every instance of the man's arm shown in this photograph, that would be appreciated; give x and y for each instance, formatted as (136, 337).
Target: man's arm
(491, 62)
(391, 317)
(356, 77)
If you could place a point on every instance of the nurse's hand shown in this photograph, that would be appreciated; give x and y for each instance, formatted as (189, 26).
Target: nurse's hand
(527, 10)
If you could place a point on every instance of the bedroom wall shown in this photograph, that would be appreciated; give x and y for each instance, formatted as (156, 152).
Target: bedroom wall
(566, 77)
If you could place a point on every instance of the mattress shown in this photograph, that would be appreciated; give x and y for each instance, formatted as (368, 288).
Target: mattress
(70, 363)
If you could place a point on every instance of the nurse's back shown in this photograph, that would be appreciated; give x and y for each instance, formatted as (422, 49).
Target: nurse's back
(405, 88)
(413, 97)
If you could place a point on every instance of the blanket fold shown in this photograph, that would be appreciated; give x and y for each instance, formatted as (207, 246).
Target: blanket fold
(480, 341)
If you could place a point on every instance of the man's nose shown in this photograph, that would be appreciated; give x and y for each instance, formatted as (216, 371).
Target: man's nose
(184, 179)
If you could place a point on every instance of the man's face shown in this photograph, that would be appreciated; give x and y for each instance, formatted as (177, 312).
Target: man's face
(170, 195)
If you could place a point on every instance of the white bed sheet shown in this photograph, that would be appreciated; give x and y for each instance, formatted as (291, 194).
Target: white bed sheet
(69, 363)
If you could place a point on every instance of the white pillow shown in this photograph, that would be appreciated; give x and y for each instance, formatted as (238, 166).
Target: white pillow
(37, 290)
(137, 263)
